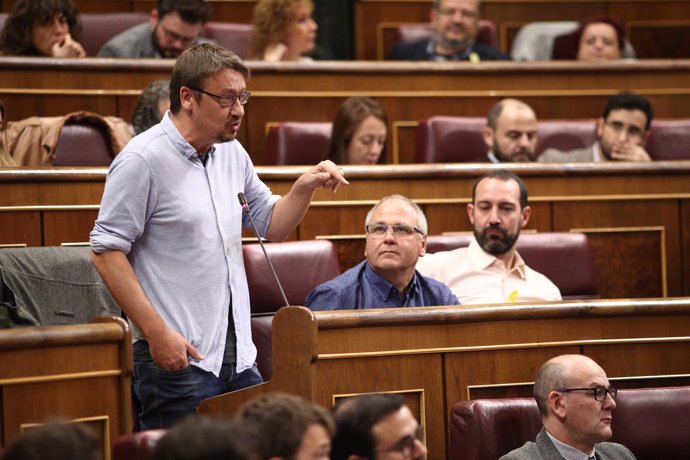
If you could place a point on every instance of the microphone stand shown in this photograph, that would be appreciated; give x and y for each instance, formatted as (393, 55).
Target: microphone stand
(245, 207)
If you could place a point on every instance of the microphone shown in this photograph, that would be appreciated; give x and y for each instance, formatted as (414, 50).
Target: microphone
(245, 207)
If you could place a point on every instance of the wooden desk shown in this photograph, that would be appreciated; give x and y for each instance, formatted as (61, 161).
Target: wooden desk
(407, 91)
(436, 356)
(636, 215)
(79, 373)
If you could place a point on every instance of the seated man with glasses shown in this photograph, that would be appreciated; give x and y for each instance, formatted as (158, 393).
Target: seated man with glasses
(622, 132)
(376, 426)
(576, 402)
(174, 26)
(455, 23)
(395, 239)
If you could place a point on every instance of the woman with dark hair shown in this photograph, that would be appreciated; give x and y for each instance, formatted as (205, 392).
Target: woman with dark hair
(600, 38)
(282, 30)
(360, 129)
(41, 28)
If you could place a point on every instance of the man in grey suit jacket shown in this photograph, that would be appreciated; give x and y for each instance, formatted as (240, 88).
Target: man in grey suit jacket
(622, 132)
(576, 401)
(174, 26)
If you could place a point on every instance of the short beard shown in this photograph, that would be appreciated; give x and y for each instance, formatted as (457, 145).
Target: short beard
(498, 153)
(494, 246)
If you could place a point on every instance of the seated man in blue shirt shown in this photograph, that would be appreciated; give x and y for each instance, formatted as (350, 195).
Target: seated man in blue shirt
(396, 238)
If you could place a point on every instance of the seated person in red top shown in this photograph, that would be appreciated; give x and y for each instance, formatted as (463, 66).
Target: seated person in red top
(456, 23)
(396, 238)
(622, 132)
(41, 28)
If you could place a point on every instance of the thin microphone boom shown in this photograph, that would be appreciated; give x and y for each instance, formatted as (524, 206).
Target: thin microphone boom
(245, 207)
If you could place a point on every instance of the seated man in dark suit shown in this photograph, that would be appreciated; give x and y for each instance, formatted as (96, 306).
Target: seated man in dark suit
(575, 400)
(455, 31)
(622, 132)
(396, 238)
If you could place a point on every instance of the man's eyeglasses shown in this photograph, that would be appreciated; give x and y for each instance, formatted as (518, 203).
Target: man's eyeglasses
(599, 392)
(226, 101)
(174, 36)
(633, 132)
(406, 445)
(399, 231)
(451, 12)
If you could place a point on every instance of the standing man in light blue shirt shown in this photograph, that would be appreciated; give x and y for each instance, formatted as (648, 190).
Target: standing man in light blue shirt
(167, 241)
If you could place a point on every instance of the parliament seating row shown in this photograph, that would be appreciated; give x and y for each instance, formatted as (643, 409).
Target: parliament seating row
(651, 422)
(443, 139)
(565, 258)
(98, 28)
(437, 141)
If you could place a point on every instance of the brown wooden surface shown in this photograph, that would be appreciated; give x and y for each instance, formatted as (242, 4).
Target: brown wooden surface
(79, 373)
(637, 215)
(439, 355)
(222, 10)
(407, 91)
(658, 29)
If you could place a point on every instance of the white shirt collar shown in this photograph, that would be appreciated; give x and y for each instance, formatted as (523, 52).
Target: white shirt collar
(569, 452)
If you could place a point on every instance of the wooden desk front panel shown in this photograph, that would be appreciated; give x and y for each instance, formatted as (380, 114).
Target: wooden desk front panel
(633, 228)
(417, 377)
(490, 351)
(72, 372)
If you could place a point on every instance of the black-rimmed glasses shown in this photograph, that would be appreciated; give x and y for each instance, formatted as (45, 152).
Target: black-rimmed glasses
(226, 101)
(406, 445)
(399, 231)
(599, 392)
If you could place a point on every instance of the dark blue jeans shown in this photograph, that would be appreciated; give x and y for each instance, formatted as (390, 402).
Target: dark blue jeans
(168, 396)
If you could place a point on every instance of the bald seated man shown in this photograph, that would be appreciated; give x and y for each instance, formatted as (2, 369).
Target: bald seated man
(576, 402)
(511, 132)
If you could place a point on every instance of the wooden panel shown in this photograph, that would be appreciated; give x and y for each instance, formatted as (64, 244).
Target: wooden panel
(621, 268)
(684, 218)
(68, 226)
(611, 214)
(73, 372)
(20, 227)
(222, 10)
(344, 377)
(660, 40)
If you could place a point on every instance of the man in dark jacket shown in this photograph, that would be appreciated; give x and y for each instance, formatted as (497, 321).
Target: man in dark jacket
(455, 31)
